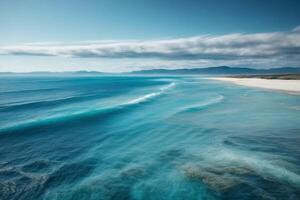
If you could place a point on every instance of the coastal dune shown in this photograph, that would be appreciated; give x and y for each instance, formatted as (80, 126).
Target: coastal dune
(290, 86)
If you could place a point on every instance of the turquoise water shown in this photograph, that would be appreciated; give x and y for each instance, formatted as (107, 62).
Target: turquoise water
(160, 137)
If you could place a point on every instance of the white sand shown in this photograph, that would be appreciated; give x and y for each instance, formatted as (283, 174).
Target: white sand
(291, 86)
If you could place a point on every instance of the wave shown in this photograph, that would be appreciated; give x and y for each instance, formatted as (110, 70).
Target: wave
(29, 91)
(32, 104)
(203, 105)
(58, 101)
(47, 102)
(150, 95)
(143, 98)
(58, 119)
(85, 114)
(168, 86)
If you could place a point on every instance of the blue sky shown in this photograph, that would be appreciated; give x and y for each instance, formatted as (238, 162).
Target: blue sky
(124, 35)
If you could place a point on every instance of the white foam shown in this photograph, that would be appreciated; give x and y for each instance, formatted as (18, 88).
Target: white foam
(150, 95)
(144, 98)
(168, 86)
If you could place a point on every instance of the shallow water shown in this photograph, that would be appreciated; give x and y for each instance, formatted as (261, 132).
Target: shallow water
(125, 137)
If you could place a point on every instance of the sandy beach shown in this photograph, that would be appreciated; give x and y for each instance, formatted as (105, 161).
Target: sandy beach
(290, 86)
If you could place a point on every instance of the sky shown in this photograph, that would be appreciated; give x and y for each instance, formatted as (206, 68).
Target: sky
(126, 35)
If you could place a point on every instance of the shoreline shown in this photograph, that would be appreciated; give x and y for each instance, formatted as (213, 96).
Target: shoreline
(288, 86)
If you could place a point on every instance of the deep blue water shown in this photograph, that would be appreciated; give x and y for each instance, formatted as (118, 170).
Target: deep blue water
(125, 137)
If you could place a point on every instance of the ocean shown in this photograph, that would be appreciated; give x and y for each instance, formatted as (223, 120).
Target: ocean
(146, 137)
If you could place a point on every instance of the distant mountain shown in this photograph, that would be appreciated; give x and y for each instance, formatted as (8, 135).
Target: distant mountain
(222, 70)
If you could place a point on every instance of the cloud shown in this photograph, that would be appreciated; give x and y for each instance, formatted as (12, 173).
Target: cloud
(239, 48)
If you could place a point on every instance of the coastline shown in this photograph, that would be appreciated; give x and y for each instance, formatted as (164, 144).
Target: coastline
(289, 86)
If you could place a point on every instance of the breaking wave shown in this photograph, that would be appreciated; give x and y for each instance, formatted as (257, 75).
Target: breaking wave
(89, 113)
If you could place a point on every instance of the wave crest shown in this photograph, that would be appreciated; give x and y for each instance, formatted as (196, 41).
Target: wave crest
(204, 104)
(150, 95)
(89, 113)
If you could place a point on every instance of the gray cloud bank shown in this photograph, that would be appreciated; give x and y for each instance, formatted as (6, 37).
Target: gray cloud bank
(280, 47)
